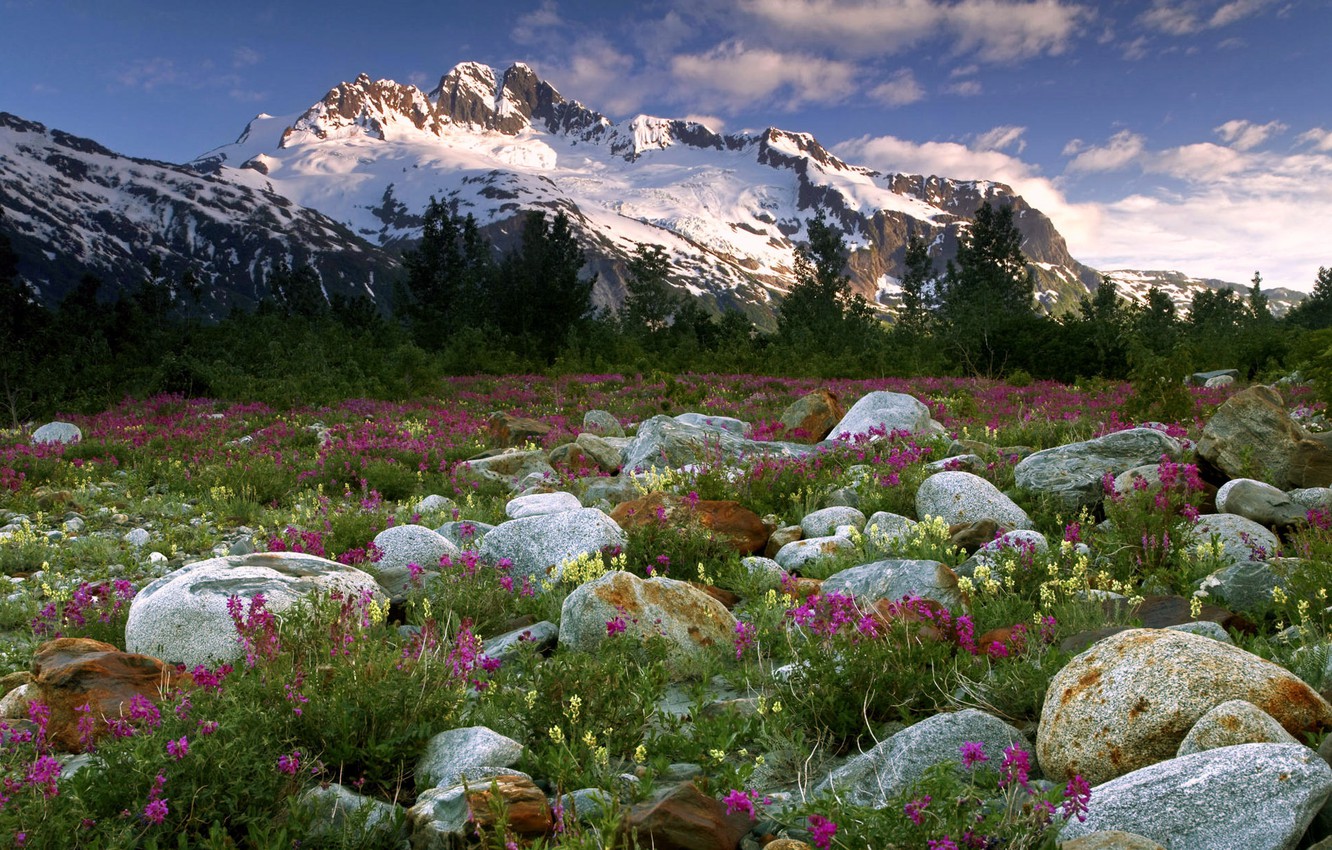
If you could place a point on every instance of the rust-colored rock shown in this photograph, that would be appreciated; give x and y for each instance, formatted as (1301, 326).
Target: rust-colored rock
(740, 527)
(780, 537)
(523, 802)
(509, 430)
(970, 536)
(813, 416)
(684, 818)
(1252, 436)
(1129, 701)
(71, 672)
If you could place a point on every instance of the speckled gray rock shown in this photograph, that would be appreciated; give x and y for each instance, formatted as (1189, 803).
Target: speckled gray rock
(449, 756)
(334, 810)
(1313, 497)
(464, 533)
(1073, 473)
(1252, 434)
(691, 621)
(889, 411)
(796, 554)
(824, 521)
(509, 468)
(182, 617)
(1260, 502)
(587, 805)
(875, 777)
(886, 532)
(57, 432)
(664, 442)
(1130, 699)
(720, 423)
(894, 579)
(539, 504)
(1233, 722)
(1241, 539)
(1254, 796)
(436, 504)
(538, 543)
(1111, 839)
(606, 455)
(766, 569)
(542, 635)
(1205, 628)
(442, 818)
(963, 497)
(138, 537)
(403, 545)
(602, 422)
(1245, 586)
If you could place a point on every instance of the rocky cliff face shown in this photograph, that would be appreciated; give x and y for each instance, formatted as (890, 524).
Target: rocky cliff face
(73, 207)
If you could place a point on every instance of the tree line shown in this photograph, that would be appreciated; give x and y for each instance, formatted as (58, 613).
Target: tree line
(460, 307)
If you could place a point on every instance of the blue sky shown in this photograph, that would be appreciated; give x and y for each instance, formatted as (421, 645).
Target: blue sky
(1184, 134)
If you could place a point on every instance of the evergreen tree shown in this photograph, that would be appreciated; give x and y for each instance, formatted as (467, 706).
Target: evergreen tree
(988, 298)
(1102, 327)
(1258, 305)
(1156, 324)
(1315, 311)
(819, 312)
(297, 292)
(539, 296)
(917, 280)
(449, 274)
(650, 302)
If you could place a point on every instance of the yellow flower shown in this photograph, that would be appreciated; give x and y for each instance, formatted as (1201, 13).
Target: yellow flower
(640, 754)
(530, 698)
(556, 734)
(1195, 606)
(1279, 595)
(716, 755)
(776, 706)
(575, 703)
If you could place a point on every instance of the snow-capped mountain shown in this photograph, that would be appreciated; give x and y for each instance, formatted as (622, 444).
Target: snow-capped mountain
(729, 209)
(72, 207)
(343, 184)
(1134, 284)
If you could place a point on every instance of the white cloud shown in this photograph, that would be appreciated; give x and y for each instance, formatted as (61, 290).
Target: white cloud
(999, 138)
(533, 27)
(1318, 138)
(899, 89)
(965, 88)
(992, 30)
(712, 122)
(1246, 135)
(733, 75)
(1123, 148)
(1226, 212)
(1176, 17)
(244, 57)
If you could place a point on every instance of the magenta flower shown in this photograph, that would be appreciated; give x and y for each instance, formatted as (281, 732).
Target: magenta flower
(944, 843)
(973, 753)
(178, 749)
(1015, 768)
(821, 831)
(156, 811)
(615, 626)
(1077, 794)
(290, 764)
(740, 802)
(744, 637)
(913, 809)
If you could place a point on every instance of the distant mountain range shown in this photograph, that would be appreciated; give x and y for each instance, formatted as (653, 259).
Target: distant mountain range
(342, 187)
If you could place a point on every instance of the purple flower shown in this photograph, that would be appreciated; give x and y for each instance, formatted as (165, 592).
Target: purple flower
(178, 749)
(973, 753)
(914, 808)
(1015, 768)
(156, 811)
(944, 843)
(821, 831)
(744, 637)
(207, 727)
(740, 802)
(615, 626)
(1077, 794)
(290, 764)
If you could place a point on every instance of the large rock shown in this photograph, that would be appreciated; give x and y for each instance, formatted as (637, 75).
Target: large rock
(539, 504)
(825, 521)
(458, 754)
(1233, 722)
(684, 818)
(1254, 796)
(1241, 539)
(793, 556)
(1245, 586)
(886, 412)
(338, 814)
(962, 497)
(721, 423)
(536, 544)
(665, 442)
(606, 455)
(691, 621)
(509, 430)
(602, 422)
(68, 673)
(1129, 700)
(1072, 473)
(509, 468)
(892, 766)
(894, 579)
(1111, 839)
(1252, 435)
(57, 432)
(813, 415)
(1260, 502)
(444, 818)
(182, 617)
(743, 529)
(400, 546)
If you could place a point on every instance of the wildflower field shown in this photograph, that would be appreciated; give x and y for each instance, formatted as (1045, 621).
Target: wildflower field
(348, 689)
